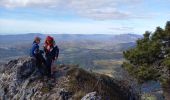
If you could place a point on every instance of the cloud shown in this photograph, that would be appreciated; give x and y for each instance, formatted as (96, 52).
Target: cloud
(93, 9)
(22, 26)
(122, 28)
(29, 3)
(104, 13)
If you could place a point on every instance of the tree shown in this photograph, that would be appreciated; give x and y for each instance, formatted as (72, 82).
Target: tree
(159, 34)
(167, 27)
(152, 50)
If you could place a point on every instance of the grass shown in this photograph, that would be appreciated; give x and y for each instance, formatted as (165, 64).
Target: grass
(107, 67)
(79, 95)
(45, 90)
(83, 82)
(149, 97)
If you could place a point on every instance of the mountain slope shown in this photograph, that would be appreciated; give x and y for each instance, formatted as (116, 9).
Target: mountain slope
(20, 80)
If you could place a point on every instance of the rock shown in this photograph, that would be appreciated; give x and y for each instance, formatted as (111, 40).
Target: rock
(16, 97)
(28, 97)
(20, 81)
(2, 68)
(23, 95)
(25, 84)
(25, 67)
(65, 95)
(44, 97)
(55, 96)
(3, 93)
(91, 96)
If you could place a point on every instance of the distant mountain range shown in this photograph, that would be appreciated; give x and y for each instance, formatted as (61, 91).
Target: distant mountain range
(71, 37)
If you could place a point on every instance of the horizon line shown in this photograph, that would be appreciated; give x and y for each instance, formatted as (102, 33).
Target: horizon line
(69, 33)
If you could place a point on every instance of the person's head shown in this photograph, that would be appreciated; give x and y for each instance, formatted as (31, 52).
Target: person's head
(49, 41)
(37, 40)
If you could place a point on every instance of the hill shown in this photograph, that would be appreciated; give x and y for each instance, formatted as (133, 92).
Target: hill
(20, 80)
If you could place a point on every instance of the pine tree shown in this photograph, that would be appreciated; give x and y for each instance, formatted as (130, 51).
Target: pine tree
(152, 49)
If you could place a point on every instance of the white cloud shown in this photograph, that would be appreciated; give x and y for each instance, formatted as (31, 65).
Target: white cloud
(12, 26)
(94, 27)
(104, 13)
(94, 9)
(28, 3)
(122, 28)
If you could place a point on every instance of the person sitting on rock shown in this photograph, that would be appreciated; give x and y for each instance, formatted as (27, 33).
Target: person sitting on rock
(51, 53)
(37, 54)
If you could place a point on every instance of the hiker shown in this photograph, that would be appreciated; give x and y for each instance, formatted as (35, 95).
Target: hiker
(37, 54)
(51, 53)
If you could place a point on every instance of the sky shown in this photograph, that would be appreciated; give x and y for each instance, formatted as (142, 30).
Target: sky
(82, 16)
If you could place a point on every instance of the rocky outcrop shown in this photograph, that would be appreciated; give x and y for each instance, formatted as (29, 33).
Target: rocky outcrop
(91, 96)
(19, 80)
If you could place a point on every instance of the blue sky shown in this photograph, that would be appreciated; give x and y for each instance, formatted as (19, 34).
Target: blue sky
(82, 16)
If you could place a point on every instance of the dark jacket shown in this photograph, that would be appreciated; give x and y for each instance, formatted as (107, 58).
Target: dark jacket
(52, 54)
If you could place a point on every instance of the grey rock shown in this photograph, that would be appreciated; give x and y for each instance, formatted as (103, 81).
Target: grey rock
(65, 95)
(91, 96)
(44, 97)
(23, 96)
(16, 97)
(25, 84)
(19, 81)
(25, 67)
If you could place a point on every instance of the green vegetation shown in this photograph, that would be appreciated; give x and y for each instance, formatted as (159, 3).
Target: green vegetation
(82, 82)
(110, 67)
(167, 62)
(151, 54)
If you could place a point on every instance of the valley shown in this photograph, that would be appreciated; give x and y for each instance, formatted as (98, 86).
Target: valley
(99, 53)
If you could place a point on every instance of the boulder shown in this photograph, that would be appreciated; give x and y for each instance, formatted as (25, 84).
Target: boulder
(91, 96)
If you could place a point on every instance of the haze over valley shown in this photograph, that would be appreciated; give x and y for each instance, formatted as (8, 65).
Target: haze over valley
(97, 52)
